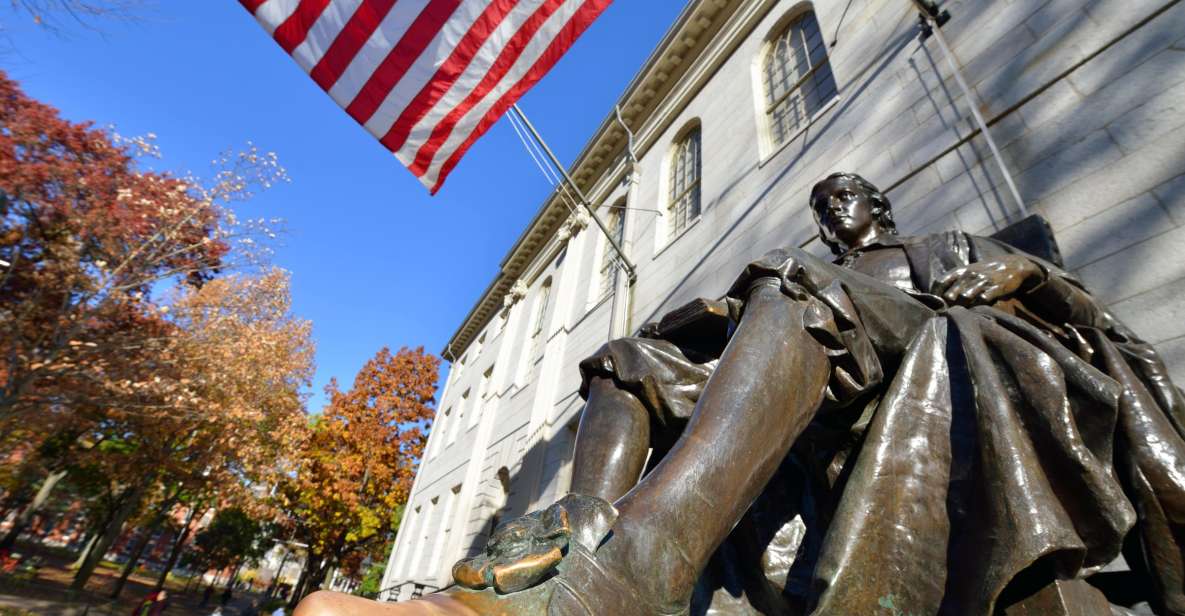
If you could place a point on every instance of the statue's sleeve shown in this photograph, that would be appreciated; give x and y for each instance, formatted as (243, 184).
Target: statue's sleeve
(1061, 298)
(665, 378)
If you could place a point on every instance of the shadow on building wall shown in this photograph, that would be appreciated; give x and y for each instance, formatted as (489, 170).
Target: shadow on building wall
(541, 478)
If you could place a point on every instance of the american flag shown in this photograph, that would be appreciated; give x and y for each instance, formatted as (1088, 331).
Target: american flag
(426, 77)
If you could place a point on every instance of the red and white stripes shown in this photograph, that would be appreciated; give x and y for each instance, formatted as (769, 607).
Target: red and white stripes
(426, 77)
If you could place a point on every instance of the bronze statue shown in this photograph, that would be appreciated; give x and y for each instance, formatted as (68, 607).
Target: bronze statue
(930, 425)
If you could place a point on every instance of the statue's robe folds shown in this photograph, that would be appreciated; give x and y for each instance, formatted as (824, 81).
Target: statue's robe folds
(963, 456)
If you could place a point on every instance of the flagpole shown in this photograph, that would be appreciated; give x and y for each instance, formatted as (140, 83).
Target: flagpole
(628, 265)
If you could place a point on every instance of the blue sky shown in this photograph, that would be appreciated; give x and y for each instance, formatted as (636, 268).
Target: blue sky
(374, 260)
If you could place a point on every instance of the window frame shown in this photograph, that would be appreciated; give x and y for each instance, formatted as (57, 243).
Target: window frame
(542, 303)
(483, 395)
(609, 268)
(766, 105)
(535, 343)
(439, 425)
(458, 423)
(674, 159)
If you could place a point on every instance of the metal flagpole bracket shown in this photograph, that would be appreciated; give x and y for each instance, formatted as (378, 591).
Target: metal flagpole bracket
(932, 18)
(630, 269)
(639, 209)
(930, 13)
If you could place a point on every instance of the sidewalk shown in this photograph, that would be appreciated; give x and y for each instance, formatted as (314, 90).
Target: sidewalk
(186, 606)
(40, 606)
(51, 607)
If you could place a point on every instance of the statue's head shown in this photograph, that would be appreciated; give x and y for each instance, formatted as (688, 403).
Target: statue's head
(849, 210)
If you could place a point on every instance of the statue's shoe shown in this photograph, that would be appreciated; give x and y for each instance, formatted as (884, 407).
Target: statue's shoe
(546, 563)
(528, 550)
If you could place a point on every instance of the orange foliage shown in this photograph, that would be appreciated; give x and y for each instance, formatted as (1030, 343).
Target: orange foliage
(356, 469)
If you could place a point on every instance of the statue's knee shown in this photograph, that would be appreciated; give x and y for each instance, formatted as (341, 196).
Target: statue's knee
(609, 401)
(798, 265)
(327, 603)
(768, 289)
(798, 256)
(321, 603)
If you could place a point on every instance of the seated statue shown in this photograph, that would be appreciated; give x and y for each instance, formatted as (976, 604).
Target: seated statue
(939, 424)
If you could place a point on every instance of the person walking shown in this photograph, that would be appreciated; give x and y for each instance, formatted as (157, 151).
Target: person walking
(154, 604)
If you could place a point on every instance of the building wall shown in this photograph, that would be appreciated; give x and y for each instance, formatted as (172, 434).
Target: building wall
(1084, 100)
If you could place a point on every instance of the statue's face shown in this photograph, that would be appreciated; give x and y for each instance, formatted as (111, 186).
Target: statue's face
(845, 210)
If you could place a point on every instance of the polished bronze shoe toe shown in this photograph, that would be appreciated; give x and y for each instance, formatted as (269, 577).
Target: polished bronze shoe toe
(526, 551)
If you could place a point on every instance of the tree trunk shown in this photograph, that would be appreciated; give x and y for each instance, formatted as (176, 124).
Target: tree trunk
(158, 518)
(318, 578)
(298, 591)
(228, 587)
(234, 574)
(92, 536)
(8, 405)
(322, 565)
(129, 502)
(93, 532)
(7, 505)
(22, 520)
(279, 572)
(178, 547)
(134, 559)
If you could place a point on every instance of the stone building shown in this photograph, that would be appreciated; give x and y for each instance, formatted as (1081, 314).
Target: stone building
(741, 108)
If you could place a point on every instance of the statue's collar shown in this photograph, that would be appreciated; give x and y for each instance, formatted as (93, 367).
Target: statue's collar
(884, 241)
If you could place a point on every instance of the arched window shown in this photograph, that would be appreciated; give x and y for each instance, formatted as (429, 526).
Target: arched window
(684, 204)
(796, 76)
(615, 220)
(540, 317)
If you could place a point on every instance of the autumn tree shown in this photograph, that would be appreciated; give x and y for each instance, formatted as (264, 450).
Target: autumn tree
(51, 14)
(247, 360)
(85, 237)
(239, 363)
(229, 408)
(355, 471)
(244, 361)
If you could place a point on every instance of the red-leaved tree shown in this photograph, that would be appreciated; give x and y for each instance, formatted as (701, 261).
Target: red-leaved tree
(85, 235)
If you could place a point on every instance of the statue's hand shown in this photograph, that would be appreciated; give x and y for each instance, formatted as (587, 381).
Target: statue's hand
(987, 281)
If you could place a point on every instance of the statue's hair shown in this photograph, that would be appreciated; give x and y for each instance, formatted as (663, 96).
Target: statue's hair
(884, 217)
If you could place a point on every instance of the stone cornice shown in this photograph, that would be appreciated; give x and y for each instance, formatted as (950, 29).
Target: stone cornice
(646, 109)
